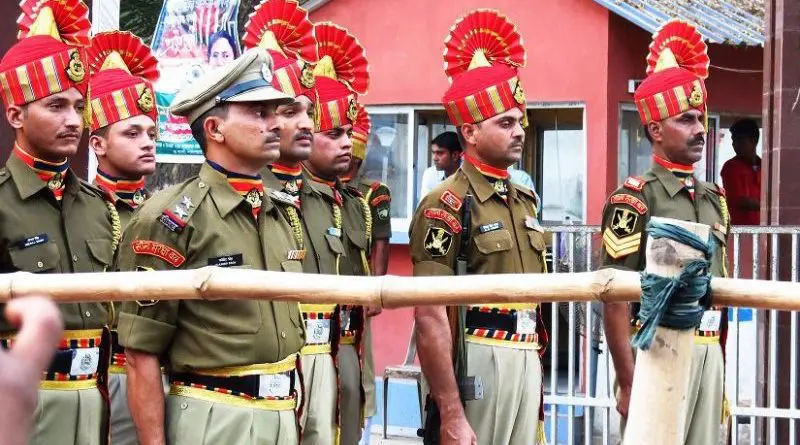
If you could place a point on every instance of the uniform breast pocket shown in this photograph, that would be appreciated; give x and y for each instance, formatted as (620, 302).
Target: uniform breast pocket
(43, 257)
(232, 316)
(292, 266)
(537, 241)
(334, 244)
(494, 241)
(358, 238)
(100, 253)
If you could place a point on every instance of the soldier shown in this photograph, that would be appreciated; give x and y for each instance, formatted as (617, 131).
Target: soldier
(52, 221)
(478, 222)
(379, 198)
(340, 76)
(308, 210)
(672, 107)
(231, 362)
(123, 134)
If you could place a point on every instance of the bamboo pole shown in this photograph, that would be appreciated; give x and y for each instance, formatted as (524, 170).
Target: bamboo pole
(657, 411)
(213, 283)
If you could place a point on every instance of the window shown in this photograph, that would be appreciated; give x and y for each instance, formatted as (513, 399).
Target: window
(559, 137)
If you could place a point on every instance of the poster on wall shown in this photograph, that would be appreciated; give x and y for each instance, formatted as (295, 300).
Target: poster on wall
(191, 37)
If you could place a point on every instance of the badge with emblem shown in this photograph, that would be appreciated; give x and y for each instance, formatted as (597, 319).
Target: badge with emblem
(180, 211)
(624, 222)
(253, 198)
(500, 187)
(307, 76)
(146, 100)
(291, 187)
(438, 241)
(55, 182)
(519, 93)
(266, 73)
(75, 70)
(138, 197)
(352, 110)
(383, 212)
(696, 98)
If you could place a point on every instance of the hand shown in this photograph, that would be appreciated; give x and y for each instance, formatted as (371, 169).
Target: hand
(623, 401)
(21, 367)
(373, 311)
(457, 432)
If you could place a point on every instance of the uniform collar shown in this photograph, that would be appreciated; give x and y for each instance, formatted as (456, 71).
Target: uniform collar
(28, 182)
(483, 189)
(672, 184)
(322, 186)
(225, 197)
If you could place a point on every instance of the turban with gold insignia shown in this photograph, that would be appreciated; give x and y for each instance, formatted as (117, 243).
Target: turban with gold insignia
(122, 74)
(341, 75)
(282, 27)
(50, 56)
(677, 65)
(360, 137)
(482, 55)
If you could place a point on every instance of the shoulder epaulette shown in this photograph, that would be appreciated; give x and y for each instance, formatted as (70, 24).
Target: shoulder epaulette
(283, 198)
(527, 192)
(718, 188)
(92, 189)
(178, 212)
(354, 190)
(634, 183)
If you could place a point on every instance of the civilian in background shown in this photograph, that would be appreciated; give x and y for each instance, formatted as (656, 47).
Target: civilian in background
(221, 49)
(446, 151)
(741, 175)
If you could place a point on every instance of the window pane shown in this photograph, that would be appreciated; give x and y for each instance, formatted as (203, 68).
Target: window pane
(562, 146)
(635, 152)
(387, 158)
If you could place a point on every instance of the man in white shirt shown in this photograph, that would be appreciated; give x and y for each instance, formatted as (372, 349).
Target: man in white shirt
(446, 152)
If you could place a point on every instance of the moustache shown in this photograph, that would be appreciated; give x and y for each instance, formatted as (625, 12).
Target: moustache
(68, 134)
(272, 138)
(304, 135)
(700, 140)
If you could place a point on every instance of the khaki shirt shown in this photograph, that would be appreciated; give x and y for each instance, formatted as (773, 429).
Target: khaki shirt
(660, 193)
(40, 236)
(379, 197)
(202, 222)
(505, 237)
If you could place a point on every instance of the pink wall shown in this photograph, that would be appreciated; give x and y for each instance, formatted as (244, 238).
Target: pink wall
(565, 40)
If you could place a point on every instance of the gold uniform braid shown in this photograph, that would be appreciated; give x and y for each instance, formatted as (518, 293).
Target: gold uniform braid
(368, 228)
(116, 235)
(337, 223)
(726, 219)
(297, 227)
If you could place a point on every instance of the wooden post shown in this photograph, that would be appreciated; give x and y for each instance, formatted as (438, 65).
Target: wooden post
(657, 412)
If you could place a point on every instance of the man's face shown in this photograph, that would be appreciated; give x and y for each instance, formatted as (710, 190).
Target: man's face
(743, 145)
(296, 129)
(332, 152)
(51, 127)
(129, 147)
(499, 141)
(681, 138)
(251, 132)
(444, 159)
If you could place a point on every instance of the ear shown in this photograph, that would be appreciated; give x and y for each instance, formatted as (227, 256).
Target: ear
(15, 116)
(98, 145)
(213, 127)
(469, 131)
(656, 131)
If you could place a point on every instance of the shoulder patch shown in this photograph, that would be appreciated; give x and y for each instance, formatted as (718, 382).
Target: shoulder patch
(283, 198)
(160, 250)
(450, 199)
(444, 216)
(634, 183)
(631, 200)
(379, 199)
(375, 185)
(438, 241)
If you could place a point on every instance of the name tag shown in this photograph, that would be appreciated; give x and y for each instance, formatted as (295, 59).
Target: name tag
(33, 241)
(274, 385)
(318, 331)
(711, 321)
(491, 227)
(345, 317)
(227, 260)
(84, 361)
(335, 232)
(526, 321)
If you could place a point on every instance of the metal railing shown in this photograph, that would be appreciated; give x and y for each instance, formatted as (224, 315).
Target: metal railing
(761, 379)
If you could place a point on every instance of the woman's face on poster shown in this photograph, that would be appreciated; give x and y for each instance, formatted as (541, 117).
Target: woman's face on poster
(221, 53)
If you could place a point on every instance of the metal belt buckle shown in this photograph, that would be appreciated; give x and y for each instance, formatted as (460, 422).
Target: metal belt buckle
(318, 331)
(275, 385)
(84, 361)
(711, 320)
(526, 321)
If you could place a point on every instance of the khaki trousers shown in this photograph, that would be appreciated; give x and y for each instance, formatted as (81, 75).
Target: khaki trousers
(350, 398)
(66, 417)
(318, 419)
(192, 421)
(512, 387)
(368, 375)
(123, 430)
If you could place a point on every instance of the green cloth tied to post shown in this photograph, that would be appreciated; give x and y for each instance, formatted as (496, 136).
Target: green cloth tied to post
(675, 302)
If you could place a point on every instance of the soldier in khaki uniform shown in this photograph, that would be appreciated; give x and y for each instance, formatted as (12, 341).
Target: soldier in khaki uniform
(340, 76)
(503, 235)
(123, 134)
(309, 211)
(232, 363)
(52, 221)
(379, 198)
(669, 189)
